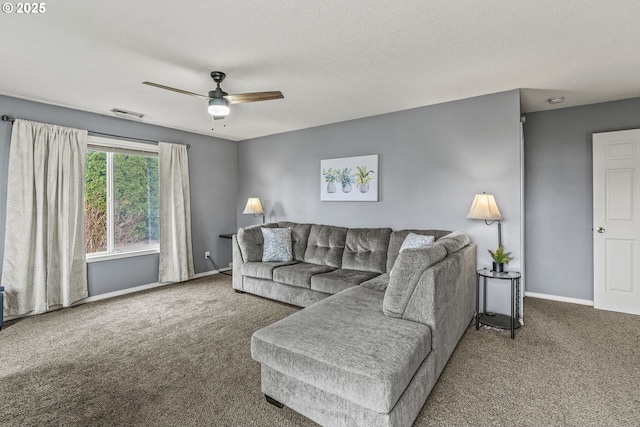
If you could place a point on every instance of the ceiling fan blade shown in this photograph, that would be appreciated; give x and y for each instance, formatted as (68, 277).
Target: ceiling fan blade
(253, 97)
(173, 89)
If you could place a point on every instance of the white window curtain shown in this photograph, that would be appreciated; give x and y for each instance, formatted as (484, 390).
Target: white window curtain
(44, 263)
(176, 258)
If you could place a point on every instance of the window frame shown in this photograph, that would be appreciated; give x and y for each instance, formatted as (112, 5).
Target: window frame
(113, 146)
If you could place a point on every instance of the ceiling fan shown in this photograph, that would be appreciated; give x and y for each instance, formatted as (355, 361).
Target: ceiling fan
(220, 100)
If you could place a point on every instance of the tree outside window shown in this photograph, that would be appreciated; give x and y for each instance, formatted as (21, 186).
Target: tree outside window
(121, 202)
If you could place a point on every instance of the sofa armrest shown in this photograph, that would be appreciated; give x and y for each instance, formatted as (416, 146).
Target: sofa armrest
(238, 261)
(445, 300)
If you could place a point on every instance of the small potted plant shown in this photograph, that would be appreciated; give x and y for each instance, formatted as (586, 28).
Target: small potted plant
(500, 258)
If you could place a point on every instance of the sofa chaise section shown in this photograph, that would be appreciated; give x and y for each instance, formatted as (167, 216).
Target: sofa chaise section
(370, 355)
(344, 345)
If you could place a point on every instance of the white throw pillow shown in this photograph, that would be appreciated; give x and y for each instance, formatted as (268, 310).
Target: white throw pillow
(414, 240)
(277, 245)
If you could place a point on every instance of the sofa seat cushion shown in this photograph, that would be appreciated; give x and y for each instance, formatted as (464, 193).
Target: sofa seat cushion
(378, 283)
(299, 274)
(262, 270)
(339, 280)
(346, 346)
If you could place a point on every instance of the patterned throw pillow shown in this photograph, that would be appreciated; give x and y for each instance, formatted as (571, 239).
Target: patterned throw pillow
(414, 240)
(277, 245)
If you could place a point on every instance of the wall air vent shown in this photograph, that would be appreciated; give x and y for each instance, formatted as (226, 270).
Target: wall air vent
(555, 100)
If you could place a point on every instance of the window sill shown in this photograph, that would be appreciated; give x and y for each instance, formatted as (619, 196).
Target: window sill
(120, 255)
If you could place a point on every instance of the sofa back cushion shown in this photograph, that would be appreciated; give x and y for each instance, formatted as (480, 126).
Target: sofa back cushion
(366, 249)
(251, 242)
(454, 241)
(299, 237)
(407, 271)
(397, 238)
(325, 245)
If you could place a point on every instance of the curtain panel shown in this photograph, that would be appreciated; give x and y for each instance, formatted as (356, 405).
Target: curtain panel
(176, 258)
(44, 263)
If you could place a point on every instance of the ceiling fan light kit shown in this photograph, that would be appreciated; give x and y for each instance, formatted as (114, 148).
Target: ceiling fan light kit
(218, 107)
(220, 100)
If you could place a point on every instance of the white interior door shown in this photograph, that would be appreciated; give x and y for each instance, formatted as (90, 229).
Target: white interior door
(616, 230)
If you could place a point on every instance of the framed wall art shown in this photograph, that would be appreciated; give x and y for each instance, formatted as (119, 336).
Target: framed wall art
(349, 179)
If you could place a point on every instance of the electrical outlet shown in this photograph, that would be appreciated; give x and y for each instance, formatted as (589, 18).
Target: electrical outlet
(206, 254)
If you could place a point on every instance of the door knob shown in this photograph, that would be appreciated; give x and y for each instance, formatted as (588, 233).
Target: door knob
(600, 230)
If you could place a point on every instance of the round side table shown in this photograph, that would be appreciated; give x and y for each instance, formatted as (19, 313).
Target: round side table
(500, 321)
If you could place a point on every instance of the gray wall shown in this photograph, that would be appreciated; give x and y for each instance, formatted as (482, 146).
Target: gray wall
(212, 169)
(559, 194)
(432, 162)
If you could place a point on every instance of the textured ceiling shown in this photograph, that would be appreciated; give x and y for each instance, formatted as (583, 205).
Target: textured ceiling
(333, 60)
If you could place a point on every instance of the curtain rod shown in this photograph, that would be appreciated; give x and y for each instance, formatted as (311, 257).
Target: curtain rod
(6, 118)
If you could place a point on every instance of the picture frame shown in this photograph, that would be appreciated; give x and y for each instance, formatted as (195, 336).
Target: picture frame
(350, 179)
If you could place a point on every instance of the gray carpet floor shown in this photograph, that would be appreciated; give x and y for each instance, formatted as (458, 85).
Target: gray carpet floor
(179, 356)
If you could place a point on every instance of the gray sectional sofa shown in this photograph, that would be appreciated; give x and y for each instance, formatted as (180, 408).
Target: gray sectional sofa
(379, 324)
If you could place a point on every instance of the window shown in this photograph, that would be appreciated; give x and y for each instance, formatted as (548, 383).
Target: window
(121, 199)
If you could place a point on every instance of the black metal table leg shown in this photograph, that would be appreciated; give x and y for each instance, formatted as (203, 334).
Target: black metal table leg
(477, 302)
(513, 335)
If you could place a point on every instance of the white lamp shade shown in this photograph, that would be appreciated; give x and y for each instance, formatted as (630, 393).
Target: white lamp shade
(253, 206)
(484, 207)
(218, 107)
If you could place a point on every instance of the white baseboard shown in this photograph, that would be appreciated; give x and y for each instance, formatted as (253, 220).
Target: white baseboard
(125, 292)
(120, 292)
(142, 288)
(559, 298)
(209, 273)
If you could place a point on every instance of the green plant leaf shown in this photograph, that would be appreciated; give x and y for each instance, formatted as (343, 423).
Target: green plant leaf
(500, 256)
